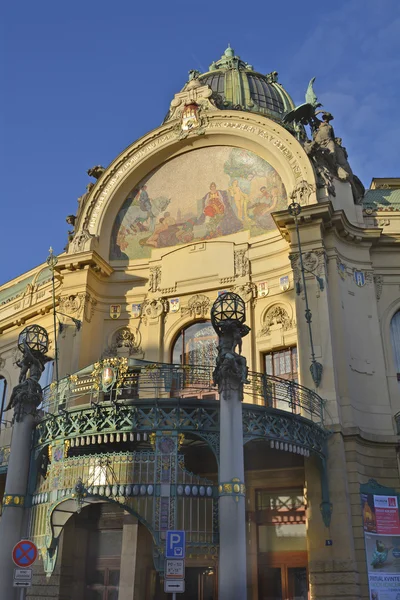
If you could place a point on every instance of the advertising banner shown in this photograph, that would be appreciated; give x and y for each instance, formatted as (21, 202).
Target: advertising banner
(382, 543)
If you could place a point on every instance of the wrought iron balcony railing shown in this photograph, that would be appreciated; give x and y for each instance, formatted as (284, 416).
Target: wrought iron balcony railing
(140, 380)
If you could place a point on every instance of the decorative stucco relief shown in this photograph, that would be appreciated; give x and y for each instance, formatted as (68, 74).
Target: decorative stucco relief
(276, 315)
(125, 341)
(242, 263)
(154, 308)
(78, 305)
(198, 306)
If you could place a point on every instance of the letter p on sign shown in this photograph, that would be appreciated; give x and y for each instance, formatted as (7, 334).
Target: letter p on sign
(175, 546)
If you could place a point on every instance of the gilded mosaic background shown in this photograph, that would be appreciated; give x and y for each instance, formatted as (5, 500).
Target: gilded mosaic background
(200, 195)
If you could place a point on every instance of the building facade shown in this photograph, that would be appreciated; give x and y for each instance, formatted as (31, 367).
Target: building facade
(126, 442)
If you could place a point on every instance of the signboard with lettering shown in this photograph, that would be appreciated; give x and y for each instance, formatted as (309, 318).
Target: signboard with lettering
(382, 541)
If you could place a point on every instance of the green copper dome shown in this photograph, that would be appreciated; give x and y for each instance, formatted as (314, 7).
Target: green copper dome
(237, 86)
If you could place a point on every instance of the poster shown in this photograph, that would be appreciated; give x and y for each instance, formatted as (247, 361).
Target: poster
(382, 544)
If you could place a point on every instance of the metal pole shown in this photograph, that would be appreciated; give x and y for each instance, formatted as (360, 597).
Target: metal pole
(52, 261)
(307, 311)
(316, 368)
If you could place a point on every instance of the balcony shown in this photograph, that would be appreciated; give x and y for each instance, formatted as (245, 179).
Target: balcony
(117, 400)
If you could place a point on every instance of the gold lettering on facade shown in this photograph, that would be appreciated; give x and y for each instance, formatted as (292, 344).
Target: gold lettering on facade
(152, 145)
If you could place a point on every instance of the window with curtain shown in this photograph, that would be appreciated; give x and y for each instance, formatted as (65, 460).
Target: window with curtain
(395, 336)
(196, 345)
(282, 363)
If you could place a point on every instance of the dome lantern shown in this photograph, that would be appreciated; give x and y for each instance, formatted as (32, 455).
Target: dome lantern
(236, 85)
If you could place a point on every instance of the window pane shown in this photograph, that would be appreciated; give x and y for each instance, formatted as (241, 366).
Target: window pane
(268, 364)
(177, 351)
(298, 585)
(288, 362)
(276, 363)
(197, 345)
(96, 577)
(294, 360)
(282, 537)
(282, 368)
(113, 577)
(269, 583)
(95, 595)
(112, 594)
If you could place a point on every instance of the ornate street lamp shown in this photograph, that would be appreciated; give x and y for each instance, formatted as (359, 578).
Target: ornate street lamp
(25, 398)
(315, 368)
(227, 316)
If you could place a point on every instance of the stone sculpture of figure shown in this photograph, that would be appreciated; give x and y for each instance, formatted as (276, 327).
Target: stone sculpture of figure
(305, 113)
(31, 361)
(82, 199)
(329, 154)
(28, 392)
(345, 172)
(96, 171)
(193, 74)
(231, 364)
(71, 219)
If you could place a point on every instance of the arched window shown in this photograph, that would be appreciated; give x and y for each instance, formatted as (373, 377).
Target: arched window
(196, 345)
(395, 335)
(3, 395)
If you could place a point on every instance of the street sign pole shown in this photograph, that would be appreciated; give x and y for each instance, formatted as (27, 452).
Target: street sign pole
(174, 568)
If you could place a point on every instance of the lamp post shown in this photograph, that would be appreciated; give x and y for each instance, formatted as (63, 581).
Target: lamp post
(25, 398)
(227, 317)
(52, 261)
(315, 368)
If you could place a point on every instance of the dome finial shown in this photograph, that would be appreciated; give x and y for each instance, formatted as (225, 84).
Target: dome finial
(229, 52)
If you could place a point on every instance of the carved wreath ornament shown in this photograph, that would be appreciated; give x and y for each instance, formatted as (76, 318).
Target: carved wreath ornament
(279, 316)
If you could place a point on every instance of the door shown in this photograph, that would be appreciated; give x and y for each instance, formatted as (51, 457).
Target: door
(282, 582)
(102, 583)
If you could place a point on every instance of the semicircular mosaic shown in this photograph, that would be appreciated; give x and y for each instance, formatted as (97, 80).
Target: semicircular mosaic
(200, 195)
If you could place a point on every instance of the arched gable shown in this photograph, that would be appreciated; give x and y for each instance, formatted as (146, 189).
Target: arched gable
(253, 134)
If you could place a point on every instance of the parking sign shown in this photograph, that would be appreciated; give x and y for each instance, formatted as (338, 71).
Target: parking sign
(175, 546)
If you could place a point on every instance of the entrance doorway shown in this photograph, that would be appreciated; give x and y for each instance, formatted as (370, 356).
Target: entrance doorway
(282, 582)
(103, 581)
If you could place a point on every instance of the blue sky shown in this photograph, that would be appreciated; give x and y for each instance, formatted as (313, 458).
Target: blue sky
(82, 81)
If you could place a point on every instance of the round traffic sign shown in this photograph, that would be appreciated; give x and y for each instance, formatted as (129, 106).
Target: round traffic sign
(24, 553)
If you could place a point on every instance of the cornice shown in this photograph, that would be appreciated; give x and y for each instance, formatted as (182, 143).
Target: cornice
(81, 260)
(324, 214)
(364, 437)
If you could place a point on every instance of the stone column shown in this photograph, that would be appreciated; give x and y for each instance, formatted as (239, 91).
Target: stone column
(128, 558)
(12, 520)
(232, 508)
(25, 398)
(228, 315)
